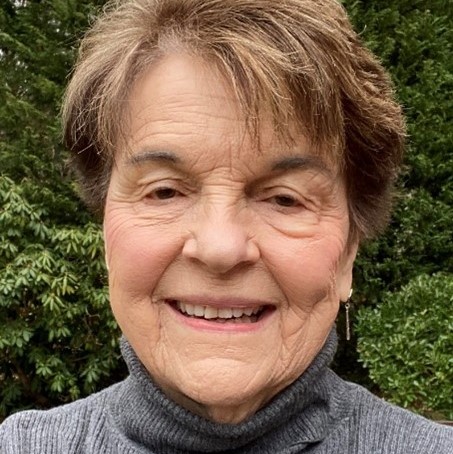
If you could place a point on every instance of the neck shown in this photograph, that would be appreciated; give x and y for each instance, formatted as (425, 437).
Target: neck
(142, 411)
(221, 413)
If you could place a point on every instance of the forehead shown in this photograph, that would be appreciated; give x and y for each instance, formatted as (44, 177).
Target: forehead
(183, 104)
(178, 88)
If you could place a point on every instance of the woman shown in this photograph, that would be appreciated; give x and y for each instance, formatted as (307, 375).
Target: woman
(239, 151)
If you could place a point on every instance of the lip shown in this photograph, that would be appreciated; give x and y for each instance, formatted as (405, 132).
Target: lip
(207, 325)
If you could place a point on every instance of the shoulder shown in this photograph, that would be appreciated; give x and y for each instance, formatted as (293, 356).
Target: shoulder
(62, 428)
(386, 428)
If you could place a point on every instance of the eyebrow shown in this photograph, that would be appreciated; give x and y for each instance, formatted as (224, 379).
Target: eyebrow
(285, 164)
(301, 162)
(153, 156)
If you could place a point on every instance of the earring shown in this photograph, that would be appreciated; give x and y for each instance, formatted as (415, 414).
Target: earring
(347, 306)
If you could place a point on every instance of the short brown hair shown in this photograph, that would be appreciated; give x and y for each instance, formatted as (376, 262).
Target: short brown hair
(300, 58)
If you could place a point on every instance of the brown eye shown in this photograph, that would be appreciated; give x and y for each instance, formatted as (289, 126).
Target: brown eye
(164, 193)
(285, 201)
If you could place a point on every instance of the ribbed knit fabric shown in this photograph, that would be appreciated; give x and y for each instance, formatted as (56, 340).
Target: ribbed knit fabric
(318, 414)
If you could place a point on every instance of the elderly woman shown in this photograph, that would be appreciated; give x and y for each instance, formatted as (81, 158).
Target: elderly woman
(239, 151)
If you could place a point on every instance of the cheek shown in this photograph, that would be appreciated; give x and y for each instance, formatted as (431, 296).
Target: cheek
(137, 253)
(305, 269)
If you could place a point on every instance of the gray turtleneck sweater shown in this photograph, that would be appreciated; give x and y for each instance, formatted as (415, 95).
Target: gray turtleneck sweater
(318, 414)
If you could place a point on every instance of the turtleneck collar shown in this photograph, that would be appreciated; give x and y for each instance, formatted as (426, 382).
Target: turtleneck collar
(300, 414)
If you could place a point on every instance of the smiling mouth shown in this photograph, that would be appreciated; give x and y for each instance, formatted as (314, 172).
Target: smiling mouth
(222, 314)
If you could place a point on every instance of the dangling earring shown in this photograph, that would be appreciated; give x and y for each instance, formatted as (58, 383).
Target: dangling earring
(347, 306)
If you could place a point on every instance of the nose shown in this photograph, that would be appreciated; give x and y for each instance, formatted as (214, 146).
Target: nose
(221, 242)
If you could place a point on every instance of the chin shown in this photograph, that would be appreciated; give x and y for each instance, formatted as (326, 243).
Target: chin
(223, 384)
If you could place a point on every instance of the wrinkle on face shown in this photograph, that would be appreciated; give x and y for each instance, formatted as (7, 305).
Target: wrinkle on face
(224, 203)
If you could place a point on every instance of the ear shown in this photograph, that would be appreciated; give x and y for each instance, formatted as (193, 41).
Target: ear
(344, 276)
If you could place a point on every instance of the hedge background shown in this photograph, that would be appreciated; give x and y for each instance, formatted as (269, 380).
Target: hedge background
(58, 341)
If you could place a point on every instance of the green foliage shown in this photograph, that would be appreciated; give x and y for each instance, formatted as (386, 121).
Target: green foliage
(414, 40)
(407, 341)
(58, 340)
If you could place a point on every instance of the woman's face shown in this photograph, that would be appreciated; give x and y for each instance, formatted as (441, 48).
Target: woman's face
(226, 261)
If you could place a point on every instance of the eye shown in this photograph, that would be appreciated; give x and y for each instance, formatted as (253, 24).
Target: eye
(284, 200)
(163, 193)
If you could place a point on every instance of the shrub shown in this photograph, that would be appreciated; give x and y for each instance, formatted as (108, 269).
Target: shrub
(414, 39)
(58, 340)
(406, 344)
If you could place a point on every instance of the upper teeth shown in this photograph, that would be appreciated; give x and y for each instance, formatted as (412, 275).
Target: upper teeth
(213, 312)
